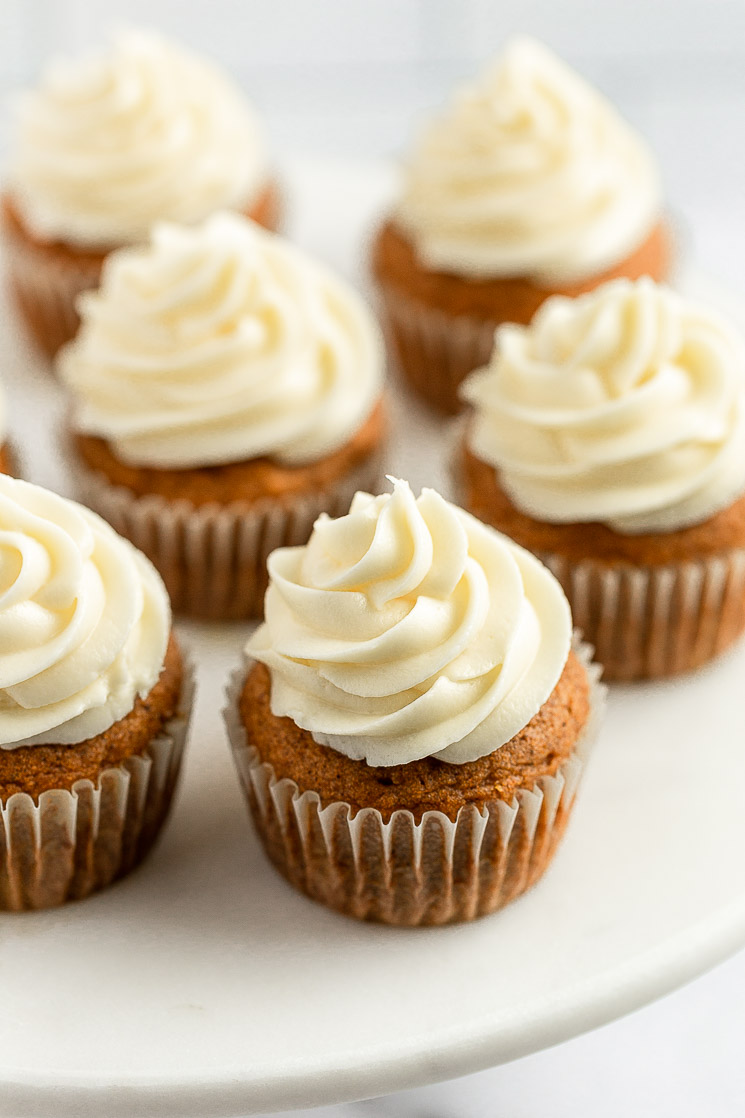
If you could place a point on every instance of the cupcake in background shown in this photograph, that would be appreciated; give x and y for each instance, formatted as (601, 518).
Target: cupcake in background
(7, 460)
(413, 719)
(227, 390)
(106, 145)
(608, 437)
(529, 184)
(94, 701)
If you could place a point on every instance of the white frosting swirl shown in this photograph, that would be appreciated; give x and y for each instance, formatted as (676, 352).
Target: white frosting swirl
(625, 406)
(530, 172)
(147, 131)
(218, 344)
(409, 629)
(84, 620)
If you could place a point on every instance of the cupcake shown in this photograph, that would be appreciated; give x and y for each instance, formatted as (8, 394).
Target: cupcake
(608, 437)
(94, 702)
(413, 719)
(530, 184)
(7, 463)
(227, 390)
(105, 146)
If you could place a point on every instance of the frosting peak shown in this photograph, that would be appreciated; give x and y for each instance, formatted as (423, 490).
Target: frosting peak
(84, 620)
(625, 406)
(145, 131)
(222, 343)
(529, 172)
(407, 628)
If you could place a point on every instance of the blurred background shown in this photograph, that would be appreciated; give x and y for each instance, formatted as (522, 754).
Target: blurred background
(352, 78)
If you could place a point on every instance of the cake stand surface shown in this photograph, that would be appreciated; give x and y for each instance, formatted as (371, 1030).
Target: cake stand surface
(202, 986)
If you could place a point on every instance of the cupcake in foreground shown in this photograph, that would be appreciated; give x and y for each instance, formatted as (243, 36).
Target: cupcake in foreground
(529, 184)
(227, 391)
(106, 145)
(413, 720)
(94, 701)
(609, 438)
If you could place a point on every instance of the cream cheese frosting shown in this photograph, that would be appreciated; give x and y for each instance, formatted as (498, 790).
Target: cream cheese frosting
(218, 344)
(407, 629)
(529, 172)
(84, 620)
(625, 406)
(146, 131)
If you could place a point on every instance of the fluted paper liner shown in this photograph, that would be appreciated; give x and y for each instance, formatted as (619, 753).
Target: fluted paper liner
(212, 558)
(46, 284)
(435, 350)
(437, 871)
(656, 621)
(70, 844)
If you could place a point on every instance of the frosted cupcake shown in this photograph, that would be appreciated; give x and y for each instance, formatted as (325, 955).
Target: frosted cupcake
(413, 720)
(227, 390)
(528, 185)
(94, 701)
(609, 438)
(108, 144)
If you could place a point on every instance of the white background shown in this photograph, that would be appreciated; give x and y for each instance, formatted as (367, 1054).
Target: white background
(351, 79)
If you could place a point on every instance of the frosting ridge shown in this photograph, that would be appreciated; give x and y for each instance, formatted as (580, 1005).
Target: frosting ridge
(408, 629)
(145, 131)
(529, 172)
(625, 406)
(84, 620)
(221, 343)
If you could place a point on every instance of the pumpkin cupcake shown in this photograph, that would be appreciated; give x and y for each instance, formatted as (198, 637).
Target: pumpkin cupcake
(105, 146)
(94, 701)
(227, 390)
(609, 438)
(413, 719)
(530, 184)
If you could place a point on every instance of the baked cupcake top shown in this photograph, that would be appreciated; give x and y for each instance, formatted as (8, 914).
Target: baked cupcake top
(408, 629)
(218, 344)
(625, 406)
(109, 143)
(529, 172)
(84, 620)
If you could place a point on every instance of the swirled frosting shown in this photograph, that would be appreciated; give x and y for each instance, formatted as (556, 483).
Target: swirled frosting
(218, 344)
(407, 629)
(84, 620)
(625, 406)
(530, 172)
(146, 131)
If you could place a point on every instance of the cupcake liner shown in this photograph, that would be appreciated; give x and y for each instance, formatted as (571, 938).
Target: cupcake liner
(70, 844)
(436, 351)
(651, 622)
(437, 871)
(46, 282)
(212, 558)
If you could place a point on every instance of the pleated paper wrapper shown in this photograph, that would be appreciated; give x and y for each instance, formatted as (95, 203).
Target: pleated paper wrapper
(437, 871)
(435, 350)
(73, 843)
(657, 621)
(212, 558)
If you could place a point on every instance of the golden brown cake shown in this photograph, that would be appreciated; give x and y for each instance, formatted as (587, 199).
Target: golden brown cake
(409, 740)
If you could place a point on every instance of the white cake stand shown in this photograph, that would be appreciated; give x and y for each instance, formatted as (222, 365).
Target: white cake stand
(203, 987)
